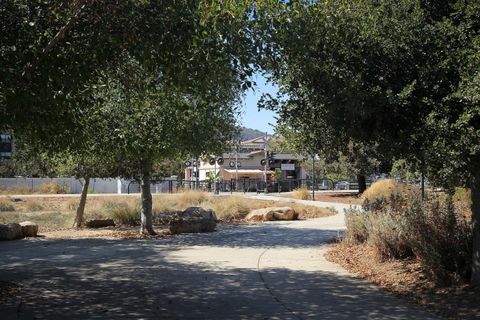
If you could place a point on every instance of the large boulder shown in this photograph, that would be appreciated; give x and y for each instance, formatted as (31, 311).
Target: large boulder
(271, 214)
(10, 231)
(29, 229)
(193, 220)
(99, 223)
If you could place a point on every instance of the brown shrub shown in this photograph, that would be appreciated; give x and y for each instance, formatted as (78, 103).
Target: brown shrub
(6, 205)
(51, 188)
(302, 194)
(33, 205)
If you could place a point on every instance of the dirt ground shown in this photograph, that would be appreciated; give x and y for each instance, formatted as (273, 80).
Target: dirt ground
(103, 233)
(334, 197)
(406, 278)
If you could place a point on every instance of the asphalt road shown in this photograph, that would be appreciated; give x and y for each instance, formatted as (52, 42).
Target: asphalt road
(273, 270)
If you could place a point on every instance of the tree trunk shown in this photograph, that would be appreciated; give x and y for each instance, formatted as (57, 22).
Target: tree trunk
(475, 188)
(78, 223)
(362, 183)
(146, 194)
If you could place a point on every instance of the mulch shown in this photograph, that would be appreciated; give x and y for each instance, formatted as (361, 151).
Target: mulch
(408, 279)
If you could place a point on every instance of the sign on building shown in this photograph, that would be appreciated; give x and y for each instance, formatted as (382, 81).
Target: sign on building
(287, 166)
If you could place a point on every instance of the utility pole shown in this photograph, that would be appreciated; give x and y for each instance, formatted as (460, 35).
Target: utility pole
(313, 177)
(236, 164)
(266, 163)
(215, 177)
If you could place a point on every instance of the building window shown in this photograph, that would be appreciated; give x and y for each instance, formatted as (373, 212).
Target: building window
(5, 146)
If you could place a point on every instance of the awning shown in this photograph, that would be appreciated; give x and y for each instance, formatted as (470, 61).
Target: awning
(247, 171)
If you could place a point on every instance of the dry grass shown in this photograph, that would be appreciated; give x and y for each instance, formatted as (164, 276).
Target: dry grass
(51, 188)
(386, 189)
(231, 208)
(19, 189)
(191, 199)
(6, 205)
(34, 205)
(45, 220)
(71, 204)
(301, 194)
(126, 210)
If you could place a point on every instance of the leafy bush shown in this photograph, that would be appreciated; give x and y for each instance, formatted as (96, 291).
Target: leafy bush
(462, 199)
(434, 232)
(301, 194)
(50, 188)
(6, 205)
(356, 223)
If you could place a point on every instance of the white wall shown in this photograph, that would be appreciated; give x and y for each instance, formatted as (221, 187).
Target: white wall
(71, 185)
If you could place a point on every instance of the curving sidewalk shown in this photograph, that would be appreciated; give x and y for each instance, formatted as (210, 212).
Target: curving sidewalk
(274, 270)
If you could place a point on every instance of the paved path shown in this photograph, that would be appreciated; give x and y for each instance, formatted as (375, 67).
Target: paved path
(268, 271)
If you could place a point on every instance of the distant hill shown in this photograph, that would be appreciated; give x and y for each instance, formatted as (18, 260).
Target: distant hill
(248, 133)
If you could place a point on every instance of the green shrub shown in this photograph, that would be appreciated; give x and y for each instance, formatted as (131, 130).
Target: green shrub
(355, 221)
(434, 232)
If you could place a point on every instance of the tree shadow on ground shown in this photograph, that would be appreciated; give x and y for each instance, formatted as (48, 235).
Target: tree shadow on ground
(121, 279)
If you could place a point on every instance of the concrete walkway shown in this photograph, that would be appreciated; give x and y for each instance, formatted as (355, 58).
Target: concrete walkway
(268, 271)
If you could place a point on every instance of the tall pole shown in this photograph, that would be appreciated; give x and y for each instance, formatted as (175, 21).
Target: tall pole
(266, 163)
(215, 177)
(197, 175)
(236, 164)
(313, 177)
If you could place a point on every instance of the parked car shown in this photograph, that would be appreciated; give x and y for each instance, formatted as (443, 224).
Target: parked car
(342, 185)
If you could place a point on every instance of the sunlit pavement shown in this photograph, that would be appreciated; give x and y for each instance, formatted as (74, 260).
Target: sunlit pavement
(274, 270)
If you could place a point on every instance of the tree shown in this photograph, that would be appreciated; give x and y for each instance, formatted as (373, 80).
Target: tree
(400, 75)
(150, 121)
(175, 63)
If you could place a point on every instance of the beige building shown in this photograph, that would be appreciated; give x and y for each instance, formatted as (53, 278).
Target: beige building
(248, 163)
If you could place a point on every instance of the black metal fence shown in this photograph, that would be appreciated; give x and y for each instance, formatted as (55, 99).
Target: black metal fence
(240, 185)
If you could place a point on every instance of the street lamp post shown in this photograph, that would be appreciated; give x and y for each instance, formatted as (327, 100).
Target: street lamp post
(313, 177)
(236, 164)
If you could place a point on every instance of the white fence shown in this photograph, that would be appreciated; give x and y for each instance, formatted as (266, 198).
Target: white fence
(69, 185)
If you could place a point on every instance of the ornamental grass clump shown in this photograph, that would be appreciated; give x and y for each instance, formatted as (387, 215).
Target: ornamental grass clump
(51, 188)
(6, 205)
(301, 194)
(231, 208)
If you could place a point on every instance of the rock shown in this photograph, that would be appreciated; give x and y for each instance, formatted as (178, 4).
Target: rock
(271, 214)
(284, 213)
(29, 229)
(100, 223)
(264, 214)
(10, 231)
(193, 220)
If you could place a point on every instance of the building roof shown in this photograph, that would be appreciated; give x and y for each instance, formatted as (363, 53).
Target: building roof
(246, 171)
(257, 140)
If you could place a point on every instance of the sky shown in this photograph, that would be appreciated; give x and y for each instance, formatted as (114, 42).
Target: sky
(263, 120)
